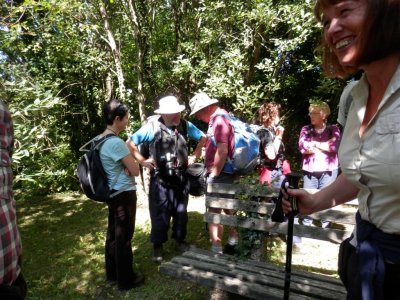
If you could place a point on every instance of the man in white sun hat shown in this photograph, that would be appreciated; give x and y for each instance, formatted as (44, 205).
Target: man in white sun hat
(166, 138)
(218, 149)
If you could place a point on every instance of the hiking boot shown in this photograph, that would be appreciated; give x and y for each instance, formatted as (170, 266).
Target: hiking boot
(137, 281)
(157, 254)
(230, 249)
(182, 246)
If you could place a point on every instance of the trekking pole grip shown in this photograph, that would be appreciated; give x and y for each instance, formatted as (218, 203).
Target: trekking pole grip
(293, 180)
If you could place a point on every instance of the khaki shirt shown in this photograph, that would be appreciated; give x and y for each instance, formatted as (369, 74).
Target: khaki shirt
(372, 162)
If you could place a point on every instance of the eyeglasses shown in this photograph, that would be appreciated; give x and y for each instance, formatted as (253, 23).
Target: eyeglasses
(314, 113)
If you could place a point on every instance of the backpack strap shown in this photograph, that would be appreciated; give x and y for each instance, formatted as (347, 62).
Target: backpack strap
(96, 145)
(94, 142)
(185, 130)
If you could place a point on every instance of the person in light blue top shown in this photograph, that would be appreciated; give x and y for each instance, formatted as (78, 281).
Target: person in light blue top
(165, 152)
(112, 151)
(120, 167)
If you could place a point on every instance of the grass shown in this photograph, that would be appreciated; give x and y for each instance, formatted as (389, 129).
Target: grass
(63, 242)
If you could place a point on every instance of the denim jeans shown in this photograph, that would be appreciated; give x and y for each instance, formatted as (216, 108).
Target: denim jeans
(319, 180)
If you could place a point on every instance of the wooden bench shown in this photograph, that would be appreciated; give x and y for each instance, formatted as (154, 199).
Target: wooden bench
(258, 279)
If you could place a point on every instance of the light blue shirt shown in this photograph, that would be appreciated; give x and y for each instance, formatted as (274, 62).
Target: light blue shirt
(146, 133)
(112, 152)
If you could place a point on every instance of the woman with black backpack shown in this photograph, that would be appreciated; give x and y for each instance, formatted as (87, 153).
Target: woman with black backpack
(121, 169)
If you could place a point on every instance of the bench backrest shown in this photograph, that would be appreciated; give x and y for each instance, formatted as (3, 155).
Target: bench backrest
(256, 213)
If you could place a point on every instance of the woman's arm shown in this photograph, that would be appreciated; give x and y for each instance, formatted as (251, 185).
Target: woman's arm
(131, 165)
(332, 144)
(271, 149)
(339, 192)
(306, 146)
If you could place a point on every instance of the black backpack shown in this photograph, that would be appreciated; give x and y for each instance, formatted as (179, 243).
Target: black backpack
(91, 174)
(196, 174)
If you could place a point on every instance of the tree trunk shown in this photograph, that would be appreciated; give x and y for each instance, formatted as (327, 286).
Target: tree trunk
(140, 37)
(115, 53)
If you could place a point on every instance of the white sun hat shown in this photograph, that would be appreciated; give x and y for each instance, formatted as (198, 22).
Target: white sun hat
(200, 101)
(169, 105)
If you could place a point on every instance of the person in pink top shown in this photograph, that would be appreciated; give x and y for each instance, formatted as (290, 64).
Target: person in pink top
(219, 147)
(318, 144)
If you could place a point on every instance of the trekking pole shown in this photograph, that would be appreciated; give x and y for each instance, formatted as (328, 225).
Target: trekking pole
(292, 180)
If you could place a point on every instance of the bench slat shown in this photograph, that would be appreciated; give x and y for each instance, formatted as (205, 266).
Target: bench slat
(262, 268)
(332, 215)
(325, 234)
(235, 204)
(236, 189)
(263, 281)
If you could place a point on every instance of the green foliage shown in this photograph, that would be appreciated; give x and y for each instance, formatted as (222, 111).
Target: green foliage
(57, 69)
(252, 240)
(48, 80)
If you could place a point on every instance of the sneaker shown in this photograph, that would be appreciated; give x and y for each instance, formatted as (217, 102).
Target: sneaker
(157, 254)
(216, 249)
(229, 249)
(182, 246)
(137, 281)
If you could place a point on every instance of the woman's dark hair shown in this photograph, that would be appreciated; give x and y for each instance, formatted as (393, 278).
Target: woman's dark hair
(112, 109)
(380, 36)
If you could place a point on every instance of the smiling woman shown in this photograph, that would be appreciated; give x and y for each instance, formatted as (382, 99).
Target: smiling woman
(349, 40)
(365, 35)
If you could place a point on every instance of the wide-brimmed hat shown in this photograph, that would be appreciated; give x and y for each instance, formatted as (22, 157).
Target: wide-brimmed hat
(169, 105)
(200, 101)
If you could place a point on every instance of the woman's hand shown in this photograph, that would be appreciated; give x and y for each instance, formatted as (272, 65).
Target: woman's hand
(305, 201)
(279, 130)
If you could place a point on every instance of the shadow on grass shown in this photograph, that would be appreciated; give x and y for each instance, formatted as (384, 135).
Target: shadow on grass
(63, 242)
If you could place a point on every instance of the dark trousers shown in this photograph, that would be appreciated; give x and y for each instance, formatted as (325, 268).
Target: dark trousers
(166, 202)
(348, 269)
(16, 291)
(118, 249)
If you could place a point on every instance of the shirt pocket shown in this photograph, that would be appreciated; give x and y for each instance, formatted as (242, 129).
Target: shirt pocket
(387, 138)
